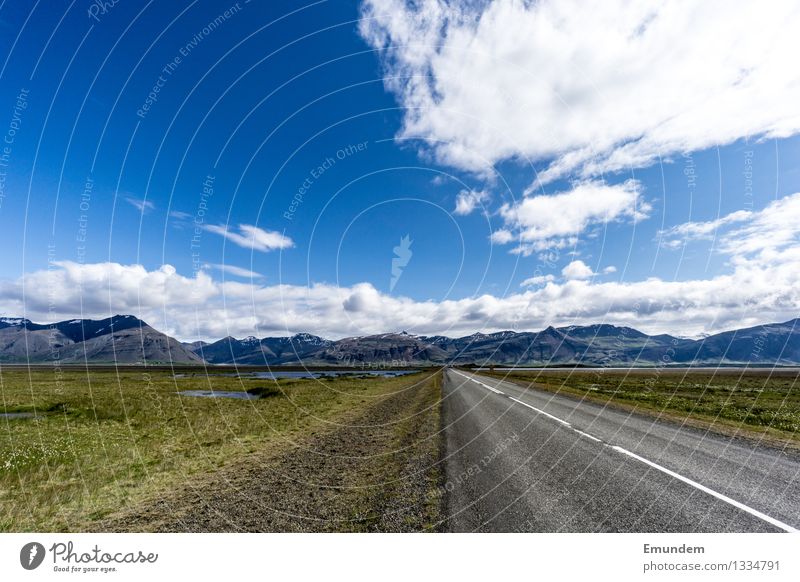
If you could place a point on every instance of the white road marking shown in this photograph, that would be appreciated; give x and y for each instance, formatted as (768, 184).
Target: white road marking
(747, 509)
(704, 489)
(564, 422)
(587, 435)
(495, 390)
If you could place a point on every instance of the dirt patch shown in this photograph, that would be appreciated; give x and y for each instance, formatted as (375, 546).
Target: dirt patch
(376, 471)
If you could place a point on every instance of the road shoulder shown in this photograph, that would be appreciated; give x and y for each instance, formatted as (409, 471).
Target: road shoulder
(376, 471)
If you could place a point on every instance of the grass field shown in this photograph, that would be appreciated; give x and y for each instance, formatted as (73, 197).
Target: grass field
(104, 440)
(759, 403)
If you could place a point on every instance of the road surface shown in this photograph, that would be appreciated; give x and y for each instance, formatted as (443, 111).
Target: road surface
(518, 459)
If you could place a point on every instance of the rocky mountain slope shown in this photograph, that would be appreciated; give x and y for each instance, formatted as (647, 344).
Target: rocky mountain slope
(252, 351)
(123, 339)
(592, 345)
(126, 339)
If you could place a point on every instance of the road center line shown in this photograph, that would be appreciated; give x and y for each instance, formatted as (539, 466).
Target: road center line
(564, 422)
(704, 489)
(747, 509)
(587, 435)
(495, 390)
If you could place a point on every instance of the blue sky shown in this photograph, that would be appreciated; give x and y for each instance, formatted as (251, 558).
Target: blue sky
(332, 130)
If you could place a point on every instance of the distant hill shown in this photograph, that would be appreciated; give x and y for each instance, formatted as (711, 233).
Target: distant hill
(590, 345)
(125, 339)
(252, 351)
(122, 339)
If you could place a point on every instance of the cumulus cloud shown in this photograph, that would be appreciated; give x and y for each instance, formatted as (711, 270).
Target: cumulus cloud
(766, 232)
(681, 234)
(143, 206)
(70, 286)
(502, 236)
(252, 237)
(762, 285)
(589, 89)
(755, 291)
(744, 232)
(537, 280)
(555, 221)
(577, 270)
(469, 200)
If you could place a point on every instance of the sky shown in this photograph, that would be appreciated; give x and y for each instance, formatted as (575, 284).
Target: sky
(348, 168)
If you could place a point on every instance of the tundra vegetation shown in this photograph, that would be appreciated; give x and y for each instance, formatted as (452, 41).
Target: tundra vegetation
(98, 442)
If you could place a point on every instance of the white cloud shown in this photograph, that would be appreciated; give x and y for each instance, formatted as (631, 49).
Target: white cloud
(744, 232)
(577, 270)
(610, 269)
(755, 291)
(234, 270)
(469, 200)
(555, 221)
(767, 231)
(98, 285)
(143, 206)
(252, 237)
(680, 234)
(762, 285)
(502, 236)
(537, 280)
(591, 90)
(180, 215)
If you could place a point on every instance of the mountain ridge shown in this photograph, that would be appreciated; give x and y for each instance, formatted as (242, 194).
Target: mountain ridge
(127, 339)
(120, 339)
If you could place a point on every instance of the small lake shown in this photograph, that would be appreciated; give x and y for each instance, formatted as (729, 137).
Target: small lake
(17, 415)
(220, 394)
(276, 374)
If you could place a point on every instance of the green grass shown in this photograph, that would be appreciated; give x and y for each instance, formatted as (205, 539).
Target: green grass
(106, 440)
(757, 402)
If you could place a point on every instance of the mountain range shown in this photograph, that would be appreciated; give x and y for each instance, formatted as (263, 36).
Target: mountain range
(125, 339)
(122, 339)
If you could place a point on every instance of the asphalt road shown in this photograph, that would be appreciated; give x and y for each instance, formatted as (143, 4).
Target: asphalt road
(518, 459)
